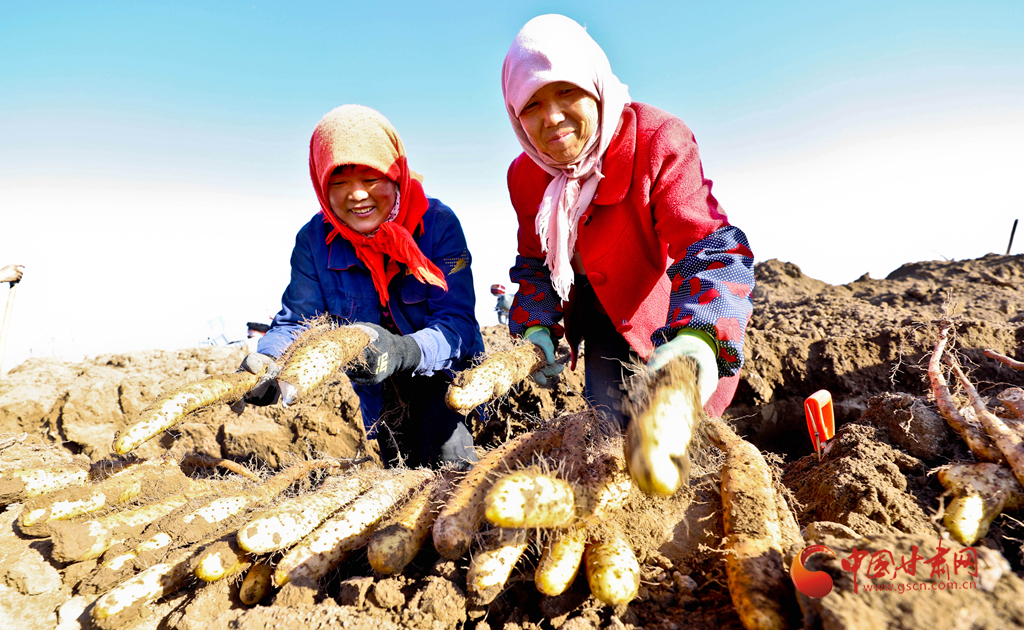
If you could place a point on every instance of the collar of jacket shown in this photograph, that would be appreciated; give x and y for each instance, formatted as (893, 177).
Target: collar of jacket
(618, 162)
(340, 253)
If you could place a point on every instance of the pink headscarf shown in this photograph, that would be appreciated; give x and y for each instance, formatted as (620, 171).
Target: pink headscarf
(554, 48)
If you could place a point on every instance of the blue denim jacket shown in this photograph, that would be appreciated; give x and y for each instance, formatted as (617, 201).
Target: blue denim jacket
(332, 279)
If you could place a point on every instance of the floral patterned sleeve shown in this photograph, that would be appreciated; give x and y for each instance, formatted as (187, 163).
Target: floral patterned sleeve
(711, 287)
(536, 303)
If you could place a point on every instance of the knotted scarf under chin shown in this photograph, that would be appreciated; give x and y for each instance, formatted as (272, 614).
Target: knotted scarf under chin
(394, 241)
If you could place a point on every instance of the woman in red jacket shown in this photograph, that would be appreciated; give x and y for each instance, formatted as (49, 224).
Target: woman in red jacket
(621, 242)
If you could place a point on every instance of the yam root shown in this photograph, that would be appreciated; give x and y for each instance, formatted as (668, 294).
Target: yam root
(972, 435)
(170, 408)
(21, 484)
(980, 492)
(77, 542)
(256, 584)
(325, 547)
(159, 476)
(755, 544)
(490, 568)
(287, 523)
(1017, 365)
(493, 378)
(460, 518)
(1009, 442)
(661, 426)
(613, 571)
(528, 498)
(560, 561)
(1013, 400)
(316, 356)
(394, 545)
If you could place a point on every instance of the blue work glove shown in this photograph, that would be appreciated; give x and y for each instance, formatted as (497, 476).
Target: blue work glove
(386, 354)
(540, 336)
(694, 344)
(265, 392)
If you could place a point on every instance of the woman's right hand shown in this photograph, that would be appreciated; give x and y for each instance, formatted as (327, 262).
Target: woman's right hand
(11, 273)
(265, 392)
(540, 336)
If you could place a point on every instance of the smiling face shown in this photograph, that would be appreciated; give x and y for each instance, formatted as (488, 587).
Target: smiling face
(362, 197)
(560, 119)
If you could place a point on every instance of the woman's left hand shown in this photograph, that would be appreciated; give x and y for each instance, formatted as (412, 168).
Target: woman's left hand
(693, 345)
(386, 354)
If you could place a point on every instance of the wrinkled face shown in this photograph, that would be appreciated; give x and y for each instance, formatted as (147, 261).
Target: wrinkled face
(362, 197)
(560, 119)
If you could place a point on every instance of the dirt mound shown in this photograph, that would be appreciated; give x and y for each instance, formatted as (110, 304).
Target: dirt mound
(867, 342)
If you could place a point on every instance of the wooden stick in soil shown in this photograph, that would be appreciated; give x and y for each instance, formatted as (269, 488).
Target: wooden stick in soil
(1017, 365)
(494, 377)
(978, 443)
(1009, 442)
(759, 583)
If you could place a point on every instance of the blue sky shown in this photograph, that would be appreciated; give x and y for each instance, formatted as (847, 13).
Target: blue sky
(153, 157)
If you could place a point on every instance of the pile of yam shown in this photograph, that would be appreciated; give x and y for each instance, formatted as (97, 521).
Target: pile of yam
(979, 491)
(149, 529)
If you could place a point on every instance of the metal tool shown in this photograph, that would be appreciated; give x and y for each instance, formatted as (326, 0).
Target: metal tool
(7, 322)
(821, 424)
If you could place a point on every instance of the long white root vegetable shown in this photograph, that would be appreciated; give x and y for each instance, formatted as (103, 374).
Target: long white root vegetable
(221, 559)
(661, 427)
(490, 568)
(980, 492)
(257, 583)
(170, 408)
(463, 510)
(1009, 443)
(328, 545)
(394, 545)
(613, 571)
(494, 377)
(316, 356)
(759, 583)
(1005, 360)
(1013, 399)
(287, 523)
(560, 561)
(21, 484)
(157, 476)
(121, 604)
(528, 498)
(77, 542)
(971, 434)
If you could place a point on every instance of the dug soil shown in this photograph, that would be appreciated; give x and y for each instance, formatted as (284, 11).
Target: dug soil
(871, 497)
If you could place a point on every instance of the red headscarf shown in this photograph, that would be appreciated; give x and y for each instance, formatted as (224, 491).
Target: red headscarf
(353, 134)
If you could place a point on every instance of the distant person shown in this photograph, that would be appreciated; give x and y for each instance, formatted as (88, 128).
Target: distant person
(504, 302)
(11, 273)
(621, 243)
(382, 254)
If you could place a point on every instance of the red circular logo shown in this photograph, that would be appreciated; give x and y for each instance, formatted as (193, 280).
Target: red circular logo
(815, 584)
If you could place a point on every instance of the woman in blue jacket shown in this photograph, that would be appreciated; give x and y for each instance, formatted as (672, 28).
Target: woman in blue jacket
(382, 254)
